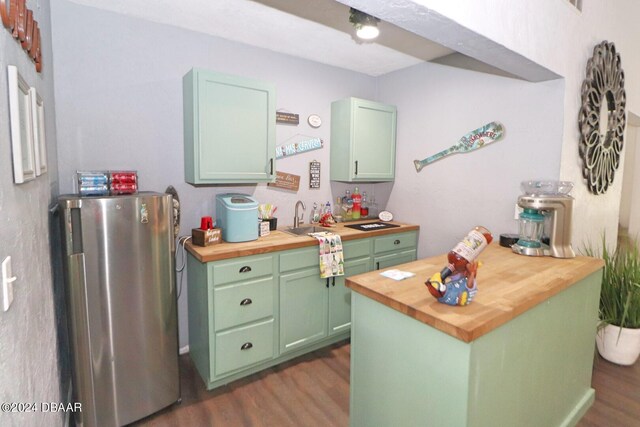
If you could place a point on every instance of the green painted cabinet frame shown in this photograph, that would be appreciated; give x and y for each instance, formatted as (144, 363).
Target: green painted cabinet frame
(363, 141)
(307, 312)
(229, 129)
(304, 301)
(340, 295)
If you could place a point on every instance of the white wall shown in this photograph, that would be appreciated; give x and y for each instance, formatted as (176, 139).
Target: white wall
(436, 106)
(629, 175)
(553, 35)
(28, 332)
(631, 193)
(119, 104)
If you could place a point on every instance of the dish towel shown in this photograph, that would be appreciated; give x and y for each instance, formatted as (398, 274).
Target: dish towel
(331, 256)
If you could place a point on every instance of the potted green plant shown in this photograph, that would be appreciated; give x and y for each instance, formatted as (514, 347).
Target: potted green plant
(618, 337)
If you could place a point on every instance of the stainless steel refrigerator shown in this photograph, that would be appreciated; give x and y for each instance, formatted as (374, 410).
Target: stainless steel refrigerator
(121, 294)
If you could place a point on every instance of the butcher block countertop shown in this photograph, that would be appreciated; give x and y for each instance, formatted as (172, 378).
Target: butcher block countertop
(508, 285)
(278, 240)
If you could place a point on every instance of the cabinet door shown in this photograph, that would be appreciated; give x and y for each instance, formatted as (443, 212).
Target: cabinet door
(229, 129)
(374, 141)
(363, 141)
(340, 296)
(303, 308)
(389, 260)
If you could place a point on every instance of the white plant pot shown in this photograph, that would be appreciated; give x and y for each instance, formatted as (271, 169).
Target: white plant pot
(618, 347)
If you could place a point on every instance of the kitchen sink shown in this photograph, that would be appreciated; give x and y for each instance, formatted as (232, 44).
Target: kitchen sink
(303, 231)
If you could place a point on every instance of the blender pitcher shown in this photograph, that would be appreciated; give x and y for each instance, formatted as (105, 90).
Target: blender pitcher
(530, 228)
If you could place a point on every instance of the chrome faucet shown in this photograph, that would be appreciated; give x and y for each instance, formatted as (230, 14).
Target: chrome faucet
(296, 218)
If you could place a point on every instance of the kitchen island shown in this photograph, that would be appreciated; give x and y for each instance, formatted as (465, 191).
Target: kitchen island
(521, 354)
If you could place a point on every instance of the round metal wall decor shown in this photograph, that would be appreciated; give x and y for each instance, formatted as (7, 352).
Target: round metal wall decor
(602, 117)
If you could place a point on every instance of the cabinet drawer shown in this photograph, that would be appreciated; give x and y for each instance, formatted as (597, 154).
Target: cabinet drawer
(394, 242)
(356, 248)
(394, 258)
(242, 347)
(300, 258)
(242, 303)
(242, 269)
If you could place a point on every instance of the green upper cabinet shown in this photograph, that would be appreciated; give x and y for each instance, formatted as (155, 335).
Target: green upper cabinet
(229, 129)
(363, 141)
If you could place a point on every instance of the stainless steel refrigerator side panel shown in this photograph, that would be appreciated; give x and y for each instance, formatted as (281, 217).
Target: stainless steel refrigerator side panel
(78, 318)
(80, 339)
(129, 250)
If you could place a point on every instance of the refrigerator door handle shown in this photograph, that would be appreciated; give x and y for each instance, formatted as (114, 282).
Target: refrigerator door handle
(79, 318)
(73, 232)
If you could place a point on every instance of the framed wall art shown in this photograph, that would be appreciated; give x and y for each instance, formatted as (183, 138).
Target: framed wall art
(39, 140)
(21, 124)
(602, 118)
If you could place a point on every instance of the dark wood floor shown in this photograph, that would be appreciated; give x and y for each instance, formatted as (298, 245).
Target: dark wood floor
(313, 390)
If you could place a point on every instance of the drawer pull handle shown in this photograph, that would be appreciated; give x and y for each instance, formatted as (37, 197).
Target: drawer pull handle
(333, 281)
(356, 168)
(377, 266)
(246, 346)
(327, 283)
(396, 242)
(245, 269)
(246, 301)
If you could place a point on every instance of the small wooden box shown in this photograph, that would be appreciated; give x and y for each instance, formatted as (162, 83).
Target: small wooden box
(202, 237)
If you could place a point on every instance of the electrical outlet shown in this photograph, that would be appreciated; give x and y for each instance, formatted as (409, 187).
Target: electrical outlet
(7, 284)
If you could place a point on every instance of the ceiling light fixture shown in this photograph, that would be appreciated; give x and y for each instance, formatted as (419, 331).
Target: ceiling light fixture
(366, 25)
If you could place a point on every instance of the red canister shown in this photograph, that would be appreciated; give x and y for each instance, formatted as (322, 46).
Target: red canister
(206, 223)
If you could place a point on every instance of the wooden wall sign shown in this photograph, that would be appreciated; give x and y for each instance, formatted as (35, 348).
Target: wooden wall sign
(286, 181)
(18, 20)
(314, 174)
(298, 147)
(287, 118)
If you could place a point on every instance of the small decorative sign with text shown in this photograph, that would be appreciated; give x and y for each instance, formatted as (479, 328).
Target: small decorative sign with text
(286, 181)
(287, 118)
(298, 147)
(314, 174)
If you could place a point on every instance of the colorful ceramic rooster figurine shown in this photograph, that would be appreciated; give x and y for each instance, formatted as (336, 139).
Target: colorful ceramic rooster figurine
(458, 289)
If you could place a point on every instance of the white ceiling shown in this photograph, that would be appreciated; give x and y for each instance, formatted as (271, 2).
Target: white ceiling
(318, 30)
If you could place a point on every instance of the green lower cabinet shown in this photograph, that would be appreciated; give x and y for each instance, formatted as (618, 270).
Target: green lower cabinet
(249, 313)
(243, 346)
(389, 260)
(303, 308)
(394, 249)
(340, 296)
(242, 303)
